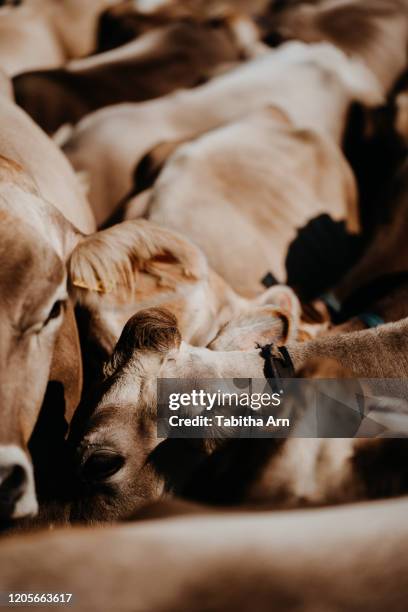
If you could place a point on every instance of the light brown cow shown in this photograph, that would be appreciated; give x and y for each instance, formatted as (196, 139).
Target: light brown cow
(37, 242)
(108, 144)
(38, 238)
(6, 88)
(265, 179)
(42, 33)
(166, 270)
(377, 32)
(348, 558)
(161, 61)
(116, 434)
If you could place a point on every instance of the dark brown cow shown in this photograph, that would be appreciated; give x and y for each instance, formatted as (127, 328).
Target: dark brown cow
(387, 252)
(128, 20)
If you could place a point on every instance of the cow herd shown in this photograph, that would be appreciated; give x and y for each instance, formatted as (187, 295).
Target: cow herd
(183, 182)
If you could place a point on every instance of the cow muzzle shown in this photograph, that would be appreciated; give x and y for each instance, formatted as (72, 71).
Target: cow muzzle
(17, 489)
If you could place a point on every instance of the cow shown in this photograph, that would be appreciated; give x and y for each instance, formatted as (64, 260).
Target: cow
(347, 558)
(386, 252)
(172, 57)
(121, 463)
(128, 20)
(27, 40)
(6, 88)
(269, 181)
(167, 270)
(376, 32)
(384, 300)
(33, 281)
(401, 104)
(42, 244)
(44, 217)
(42, 34)
(108, 144)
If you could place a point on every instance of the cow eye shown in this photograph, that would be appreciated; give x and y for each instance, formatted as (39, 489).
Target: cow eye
(54, 314)
(101, 465)
(55, 311)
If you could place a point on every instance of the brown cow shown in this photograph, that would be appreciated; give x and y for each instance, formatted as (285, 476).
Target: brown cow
(6, 88)
(128, 20)
(168, 271)
(384, 300)
(387, 252)
(348, 558)
(33, 281)
(108, 144)
(377, 32)
(159, 62)
(265, 179)
(37, 241)
(117, 433)
(41, 34)
(297, 560)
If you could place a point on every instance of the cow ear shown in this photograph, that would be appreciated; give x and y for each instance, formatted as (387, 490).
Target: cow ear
(257, 327)
(153, 329)
(286, 300)
(110, 260)
(66, 365)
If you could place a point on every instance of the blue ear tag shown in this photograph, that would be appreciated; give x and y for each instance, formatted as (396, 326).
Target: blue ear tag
(331, 302)
(370, 319)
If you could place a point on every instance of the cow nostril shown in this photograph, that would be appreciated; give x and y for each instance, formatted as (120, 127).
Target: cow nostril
(12, 481)
(101, 465)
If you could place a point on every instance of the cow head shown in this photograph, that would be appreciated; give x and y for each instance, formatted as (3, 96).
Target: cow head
(33, 290)
(121, 463)
(162, 269)
(38, 336)
(115, 434)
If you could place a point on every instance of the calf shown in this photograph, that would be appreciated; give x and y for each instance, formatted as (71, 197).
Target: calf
(121, 462)
(168, 271)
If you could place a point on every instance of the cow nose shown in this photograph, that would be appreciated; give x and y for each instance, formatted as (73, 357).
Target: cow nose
(13, 479)
(17, 489)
